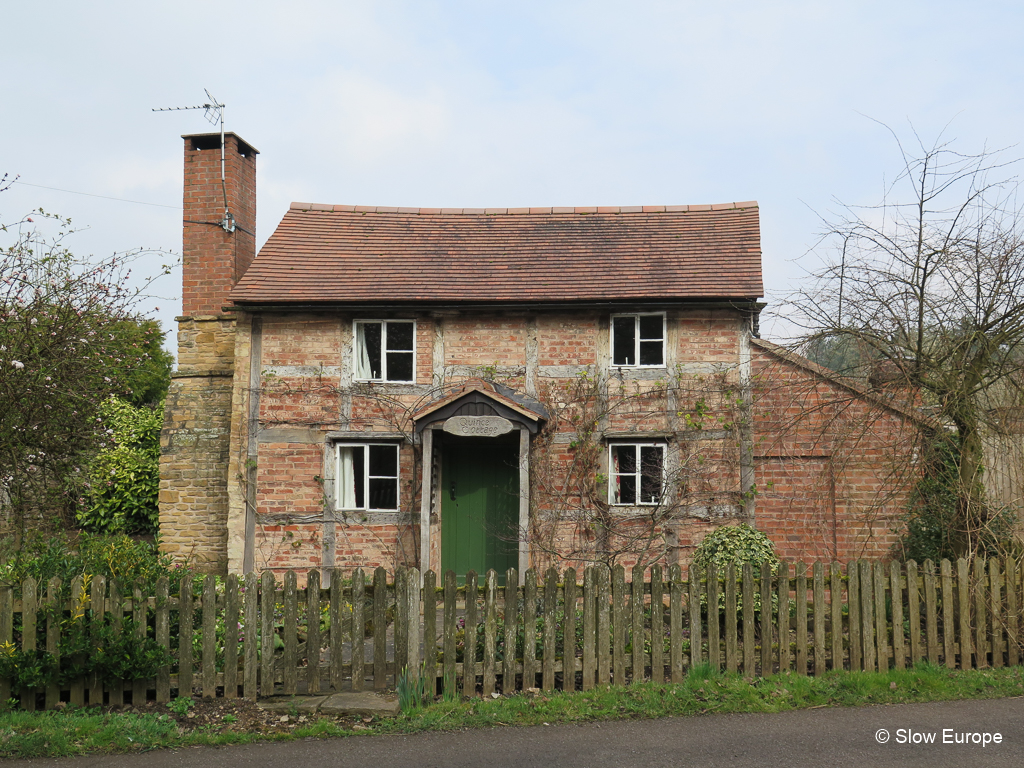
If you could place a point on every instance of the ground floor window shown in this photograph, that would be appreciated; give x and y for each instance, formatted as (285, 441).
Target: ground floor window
(636, 473)
(366, 476)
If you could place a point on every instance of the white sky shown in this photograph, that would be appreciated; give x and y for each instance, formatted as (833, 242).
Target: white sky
(478, 104)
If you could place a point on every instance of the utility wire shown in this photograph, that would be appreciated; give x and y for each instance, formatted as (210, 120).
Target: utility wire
(105, 197)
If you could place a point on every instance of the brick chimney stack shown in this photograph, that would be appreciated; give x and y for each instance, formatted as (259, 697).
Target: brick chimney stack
(215, 259)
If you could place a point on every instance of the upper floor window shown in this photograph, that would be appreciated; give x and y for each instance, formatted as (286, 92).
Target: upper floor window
(385, 350)
(636, 473)
(638, 341)
(366, 476)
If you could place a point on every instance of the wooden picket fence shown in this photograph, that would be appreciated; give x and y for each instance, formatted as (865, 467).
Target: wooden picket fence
(253, 636)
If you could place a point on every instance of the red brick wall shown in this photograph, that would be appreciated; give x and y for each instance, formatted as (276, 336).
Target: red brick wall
(833, 468)
(214, 260)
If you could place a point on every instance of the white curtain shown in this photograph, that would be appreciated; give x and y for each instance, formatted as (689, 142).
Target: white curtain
(346, 478)
(363, 370)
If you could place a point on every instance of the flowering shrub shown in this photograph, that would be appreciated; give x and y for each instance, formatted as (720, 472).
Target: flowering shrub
(69, 340)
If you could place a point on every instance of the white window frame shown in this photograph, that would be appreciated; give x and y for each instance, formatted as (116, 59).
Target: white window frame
(357, 349)
(637, 475)
(342, 472)
(636, 339)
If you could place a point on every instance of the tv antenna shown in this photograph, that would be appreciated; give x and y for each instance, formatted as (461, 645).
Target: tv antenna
(214, 114)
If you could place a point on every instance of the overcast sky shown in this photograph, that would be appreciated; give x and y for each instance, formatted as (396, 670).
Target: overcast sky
(482, 104)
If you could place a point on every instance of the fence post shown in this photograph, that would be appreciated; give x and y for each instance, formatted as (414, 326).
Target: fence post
(801, 618)
(77, 687)
(853, 611)
(380, 629)
(980, 628)
(54, 611)
(530, 629)
(785, 658)
(899, 650)
(98, 599)
(163, 635)
(748, 620)
(914, 612)
(231, 637)
(602, 578)
(730, 618)
(336, 634)
(550, 609)
(569, 630)
(358, 630)
(948, 628)
(402, 619)
(618, 625)
(430, 630)
(675, 621)
(1012, 616)
(185, 632)
(765, 624)
(268, 604)
(636, 633)
(139, 614)
(881, 629)
(867, 620)
(209, 661)
(450, 688)
(412, 613)
(312, 631)
(589, 628)
(835, 597)
(657, 625)
(995, 611)
(290, 658)
(963, 590)
(714, 641)
(251, 641)
(469, 649)
(490, 630)
(28, 635)
(508, 673)
(693, 604)
(819, 617)
(931, 612)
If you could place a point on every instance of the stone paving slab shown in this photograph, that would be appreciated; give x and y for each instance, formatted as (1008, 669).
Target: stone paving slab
(365, 704)
(360, 704)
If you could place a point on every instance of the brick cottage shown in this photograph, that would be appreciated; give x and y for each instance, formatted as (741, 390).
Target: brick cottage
(494, 388)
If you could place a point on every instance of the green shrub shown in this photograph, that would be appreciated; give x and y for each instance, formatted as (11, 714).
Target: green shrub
(67, 555)
(736, 544)
(124, 479)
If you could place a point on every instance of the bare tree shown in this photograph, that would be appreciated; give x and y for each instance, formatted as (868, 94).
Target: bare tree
(923, 296)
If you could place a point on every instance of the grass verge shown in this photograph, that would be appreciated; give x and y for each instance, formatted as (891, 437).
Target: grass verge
(704, 691)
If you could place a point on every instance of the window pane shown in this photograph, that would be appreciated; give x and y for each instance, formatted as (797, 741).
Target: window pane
(359, 472)
(624, 458)
(383, 461)
(369, 342)
(651, 458)
(383, 493)
(346, 479)
(651, 353)
(652, 327)
(624, 341)
(400, 336)
(625, 491)
(399, 366)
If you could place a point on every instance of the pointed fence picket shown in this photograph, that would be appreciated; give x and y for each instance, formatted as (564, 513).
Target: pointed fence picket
(313, 632)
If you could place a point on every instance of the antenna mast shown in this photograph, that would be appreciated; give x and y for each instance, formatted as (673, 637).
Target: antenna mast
(214, 113)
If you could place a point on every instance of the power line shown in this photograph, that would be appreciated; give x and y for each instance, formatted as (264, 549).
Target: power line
(104, 197)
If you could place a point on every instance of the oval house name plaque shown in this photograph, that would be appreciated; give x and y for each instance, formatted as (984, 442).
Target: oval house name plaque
(477, 426)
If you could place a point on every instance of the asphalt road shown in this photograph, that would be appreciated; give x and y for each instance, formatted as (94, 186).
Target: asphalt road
(819, 737)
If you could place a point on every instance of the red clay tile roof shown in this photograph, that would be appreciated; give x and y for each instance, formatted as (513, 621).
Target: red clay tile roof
(355, 254)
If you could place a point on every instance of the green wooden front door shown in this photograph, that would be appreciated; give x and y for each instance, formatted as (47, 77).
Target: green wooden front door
(479, 507)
